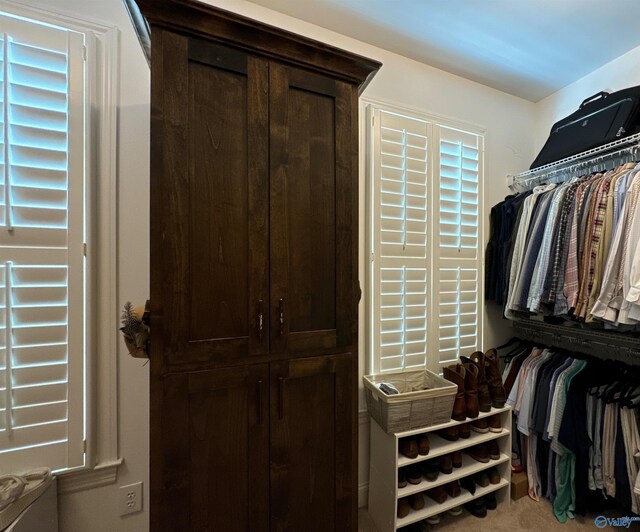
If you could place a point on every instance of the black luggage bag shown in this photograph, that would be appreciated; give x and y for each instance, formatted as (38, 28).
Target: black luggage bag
(601, 118)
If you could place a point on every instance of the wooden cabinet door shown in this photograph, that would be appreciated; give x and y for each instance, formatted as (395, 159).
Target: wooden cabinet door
(313, 210)
(209, 206)
(313, 442)
(212, 452)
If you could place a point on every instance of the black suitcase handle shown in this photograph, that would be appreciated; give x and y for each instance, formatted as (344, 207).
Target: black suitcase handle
(601, 94)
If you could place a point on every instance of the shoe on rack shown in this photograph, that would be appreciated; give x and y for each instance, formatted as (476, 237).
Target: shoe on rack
(464, 430)
(480, 425)
(414, 474)
(494, 476)
(471, 389)
(434, 519)
(446, 464)
(438, 494)
(402, 478)
(468, 484)
(456, 458)
(494, 423)
(408, 447)
(455, 373)
(494, 378)
(453, 488)
(431, 469)
(477, 507)
(450, 433)
(484, 397)
(455, 511)
(403, 508)
(490, 501)
(416, 501)
(482, 479)
(423, 445)
(479, 452)
(494, 450)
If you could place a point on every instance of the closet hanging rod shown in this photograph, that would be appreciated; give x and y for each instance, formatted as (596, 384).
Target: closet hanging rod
(597, 158)
(601, 344)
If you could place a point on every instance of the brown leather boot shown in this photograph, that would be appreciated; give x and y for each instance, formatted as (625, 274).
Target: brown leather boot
(494, 379)
(494, 423)
(438, 494)
(409, 448)
(471, 389)
(480, 425)
(479, 452)
(464, 430)
(423, 445)
(403, 508)
(456, 458)
(494, 450)
(453, 488)
(455, 373)
(484, 397)
(416, 501)
(450, 433)
(446, 464)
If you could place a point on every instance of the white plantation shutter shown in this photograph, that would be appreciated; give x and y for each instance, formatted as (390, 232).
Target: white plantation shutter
(42, 341)
(459, 160)
(425, 180)
(458, 313)
(400, 275)
(459, 163)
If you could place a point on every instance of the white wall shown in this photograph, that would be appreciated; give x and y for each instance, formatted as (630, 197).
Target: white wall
(402, 82)
(618, 74)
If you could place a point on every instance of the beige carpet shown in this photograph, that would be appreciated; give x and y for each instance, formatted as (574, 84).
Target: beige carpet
(523, 514)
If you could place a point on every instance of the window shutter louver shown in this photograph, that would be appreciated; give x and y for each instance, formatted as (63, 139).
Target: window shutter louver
(459, 163)
(41, 235)
(458, 313)
(458, 256)
(401, 240)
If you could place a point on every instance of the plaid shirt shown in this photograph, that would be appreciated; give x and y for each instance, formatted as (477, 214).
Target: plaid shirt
(571, 281)
(558, 255)
(597, 221)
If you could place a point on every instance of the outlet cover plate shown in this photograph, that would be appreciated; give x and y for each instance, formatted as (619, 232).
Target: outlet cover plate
(130, 498)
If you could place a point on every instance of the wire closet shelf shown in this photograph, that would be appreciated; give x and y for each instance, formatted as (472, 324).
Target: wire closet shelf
(600, 159)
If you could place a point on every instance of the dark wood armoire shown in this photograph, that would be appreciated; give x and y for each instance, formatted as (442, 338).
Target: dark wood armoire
(254, 274)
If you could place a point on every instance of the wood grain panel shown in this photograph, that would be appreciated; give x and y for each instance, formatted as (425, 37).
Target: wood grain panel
(311, 211)
(311, 484)
(228, 452)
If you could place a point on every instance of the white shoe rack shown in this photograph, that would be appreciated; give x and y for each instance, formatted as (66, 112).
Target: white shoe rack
(385, 460)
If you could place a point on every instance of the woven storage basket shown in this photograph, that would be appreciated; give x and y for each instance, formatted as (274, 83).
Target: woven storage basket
(425, 399)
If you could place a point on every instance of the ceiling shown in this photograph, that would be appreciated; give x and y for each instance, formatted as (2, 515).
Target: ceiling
(528, 48)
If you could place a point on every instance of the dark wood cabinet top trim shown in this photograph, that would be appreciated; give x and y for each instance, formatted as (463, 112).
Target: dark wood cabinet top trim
(198, 19)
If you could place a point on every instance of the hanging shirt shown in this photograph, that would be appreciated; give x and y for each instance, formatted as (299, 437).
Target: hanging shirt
(519, 247)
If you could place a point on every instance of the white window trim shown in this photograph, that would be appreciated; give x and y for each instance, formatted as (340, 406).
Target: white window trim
(102, 457)
(369, 226)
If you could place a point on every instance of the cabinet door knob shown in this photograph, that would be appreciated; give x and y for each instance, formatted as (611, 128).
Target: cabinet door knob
(260, 319)
(281, 307)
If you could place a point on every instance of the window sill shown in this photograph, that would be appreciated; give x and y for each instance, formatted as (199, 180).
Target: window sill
(85, 479)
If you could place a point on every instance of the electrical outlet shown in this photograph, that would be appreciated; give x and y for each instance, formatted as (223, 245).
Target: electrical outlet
(131, 498)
